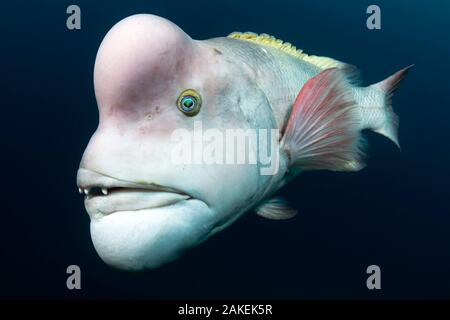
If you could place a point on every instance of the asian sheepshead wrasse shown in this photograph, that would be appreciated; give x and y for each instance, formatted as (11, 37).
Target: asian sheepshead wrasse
(152, 79)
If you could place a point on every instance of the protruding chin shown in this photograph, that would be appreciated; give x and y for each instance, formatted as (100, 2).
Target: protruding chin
(147, 239)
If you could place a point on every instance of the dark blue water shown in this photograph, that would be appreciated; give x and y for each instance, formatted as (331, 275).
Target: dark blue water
(394, 213)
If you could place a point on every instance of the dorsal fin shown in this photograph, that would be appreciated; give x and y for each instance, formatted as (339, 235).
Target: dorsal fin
(267, 40)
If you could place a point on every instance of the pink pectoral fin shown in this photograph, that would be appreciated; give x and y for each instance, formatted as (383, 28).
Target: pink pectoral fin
(323, 130)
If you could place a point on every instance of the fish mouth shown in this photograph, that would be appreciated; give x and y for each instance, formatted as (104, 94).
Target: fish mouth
(105, 194)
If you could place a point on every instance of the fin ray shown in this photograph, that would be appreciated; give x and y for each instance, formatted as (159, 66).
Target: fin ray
(276, 209)
(265, 39)
(323, 130)
(389, 128)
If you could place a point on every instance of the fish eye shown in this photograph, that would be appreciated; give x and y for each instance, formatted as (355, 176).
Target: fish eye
(189, 102)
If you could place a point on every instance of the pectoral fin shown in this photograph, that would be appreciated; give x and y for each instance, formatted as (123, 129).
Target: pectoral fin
(323, 130)
(276, 209)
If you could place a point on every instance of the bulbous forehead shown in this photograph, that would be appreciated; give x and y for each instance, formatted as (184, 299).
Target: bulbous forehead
(142, 53)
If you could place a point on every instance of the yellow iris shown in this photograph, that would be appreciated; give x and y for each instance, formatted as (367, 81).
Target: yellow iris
(189, 102)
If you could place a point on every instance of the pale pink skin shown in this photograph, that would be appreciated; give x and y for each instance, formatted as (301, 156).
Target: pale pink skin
(142, 66)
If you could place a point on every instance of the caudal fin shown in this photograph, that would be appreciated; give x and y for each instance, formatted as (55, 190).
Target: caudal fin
(389, 127)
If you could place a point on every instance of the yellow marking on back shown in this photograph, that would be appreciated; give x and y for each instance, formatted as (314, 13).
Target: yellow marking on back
(270, 41)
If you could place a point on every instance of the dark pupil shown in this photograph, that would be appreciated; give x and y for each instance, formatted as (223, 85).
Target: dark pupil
(188, 103)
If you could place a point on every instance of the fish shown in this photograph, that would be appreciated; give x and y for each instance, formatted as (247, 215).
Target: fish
(151, 80)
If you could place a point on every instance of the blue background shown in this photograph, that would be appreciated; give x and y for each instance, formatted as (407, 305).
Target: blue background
(394, 213)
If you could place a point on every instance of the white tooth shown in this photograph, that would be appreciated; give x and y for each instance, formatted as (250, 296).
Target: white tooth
(104, 191)
(86, 191)
(80, 190)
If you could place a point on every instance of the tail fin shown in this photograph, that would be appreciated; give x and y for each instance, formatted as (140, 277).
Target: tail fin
(389, 128)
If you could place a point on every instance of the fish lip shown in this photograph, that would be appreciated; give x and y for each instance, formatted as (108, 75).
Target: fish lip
(101, 214)
(87, 179)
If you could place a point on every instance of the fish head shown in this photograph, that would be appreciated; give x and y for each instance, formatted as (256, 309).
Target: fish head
(145, 208)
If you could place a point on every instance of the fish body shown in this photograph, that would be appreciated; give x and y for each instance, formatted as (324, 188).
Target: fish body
(151, 80)
(280, 74)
